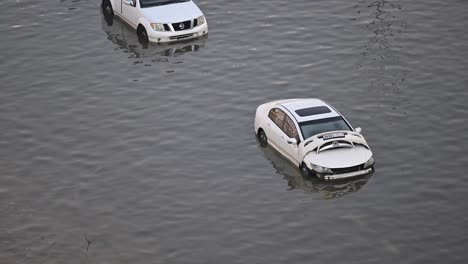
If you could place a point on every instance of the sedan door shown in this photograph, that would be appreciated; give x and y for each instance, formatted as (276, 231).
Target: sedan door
(290, 131)
(274, 126)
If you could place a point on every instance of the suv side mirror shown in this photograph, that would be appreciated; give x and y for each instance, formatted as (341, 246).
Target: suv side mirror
(292, 141)
(129, 2)
(358, 130)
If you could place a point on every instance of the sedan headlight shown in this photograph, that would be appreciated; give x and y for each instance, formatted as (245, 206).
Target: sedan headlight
(157, 26)
(201, 20)
(320, 169)
(369, 163)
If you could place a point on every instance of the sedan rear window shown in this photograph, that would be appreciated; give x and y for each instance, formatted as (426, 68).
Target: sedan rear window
(277, 116)
(314, 127)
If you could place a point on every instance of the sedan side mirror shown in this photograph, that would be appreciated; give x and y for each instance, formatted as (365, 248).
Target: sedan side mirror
(292, 141)
(358, 130)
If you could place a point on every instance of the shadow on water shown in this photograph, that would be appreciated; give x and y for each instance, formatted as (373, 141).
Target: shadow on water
(126, 39)
(312, 185)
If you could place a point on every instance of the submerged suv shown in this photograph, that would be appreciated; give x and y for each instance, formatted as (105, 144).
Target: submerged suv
(159, 20)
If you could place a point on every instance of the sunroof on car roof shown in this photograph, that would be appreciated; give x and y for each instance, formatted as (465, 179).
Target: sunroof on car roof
(317, 110)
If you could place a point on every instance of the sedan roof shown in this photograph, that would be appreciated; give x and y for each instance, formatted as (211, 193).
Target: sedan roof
(309, 109)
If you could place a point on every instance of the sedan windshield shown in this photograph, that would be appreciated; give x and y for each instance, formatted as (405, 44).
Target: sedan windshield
(314, 127)
(149, 3)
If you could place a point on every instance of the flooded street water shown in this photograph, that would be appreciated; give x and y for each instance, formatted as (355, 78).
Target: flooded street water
(149, 153)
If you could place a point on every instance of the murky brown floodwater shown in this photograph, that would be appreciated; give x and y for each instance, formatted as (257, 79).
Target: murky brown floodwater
(150, 152)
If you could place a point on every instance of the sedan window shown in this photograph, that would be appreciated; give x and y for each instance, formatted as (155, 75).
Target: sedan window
(277, 116)
(290, 128)
(314, 127)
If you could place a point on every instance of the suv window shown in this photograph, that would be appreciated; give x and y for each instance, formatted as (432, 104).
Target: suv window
(290, 128)
(149, 3)
(277, 116)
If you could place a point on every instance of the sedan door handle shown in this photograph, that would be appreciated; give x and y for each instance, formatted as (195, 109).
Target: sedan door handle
(268, 124)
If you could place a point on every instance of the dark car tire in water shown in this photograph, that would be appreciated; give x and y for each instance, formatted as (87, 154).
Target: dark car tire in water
(108, 12)
(304, 170)
(142, 34)
(262, 138)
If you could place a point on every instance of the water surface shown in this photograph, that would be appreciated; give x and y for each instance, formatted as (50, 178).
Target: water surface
(149, 152)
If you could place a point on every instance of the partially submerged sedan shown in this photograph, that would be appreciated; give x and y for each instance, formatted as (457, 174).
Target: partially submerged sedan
(314, 136)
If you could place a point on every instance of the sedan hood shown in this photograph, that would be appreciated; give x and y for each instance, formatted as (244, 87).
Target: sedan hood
(337, 149)
(340, 158)
(172, 13)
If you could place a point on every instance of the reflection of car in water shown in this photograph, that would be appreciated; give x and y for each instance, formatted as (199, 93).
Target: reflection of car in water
(310, 184)
(122, 35)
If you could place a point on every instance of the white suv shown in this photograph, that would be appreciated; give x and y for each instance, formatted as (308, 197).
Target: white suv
(159, 20)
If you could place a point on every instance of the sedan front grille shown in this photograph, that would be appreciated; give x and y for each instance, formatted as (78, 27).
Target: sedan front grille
(182, 25)
(347, 170)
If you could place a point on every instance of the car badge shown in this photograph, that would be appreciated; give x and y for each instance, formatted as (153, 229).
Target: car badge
(181, 26)
(336, 144)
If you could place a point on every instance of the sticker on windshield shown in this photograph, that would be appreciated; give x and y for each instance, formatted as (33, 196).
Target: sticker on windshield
(333, 135)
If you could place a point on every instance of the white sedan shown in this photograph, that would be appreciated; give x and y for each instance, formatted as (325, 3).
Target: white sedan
(159, 20)
(315, 137)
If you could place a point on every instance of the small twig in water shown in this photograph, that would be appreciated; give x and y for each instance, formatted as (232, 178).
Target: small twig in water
(89, 242)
